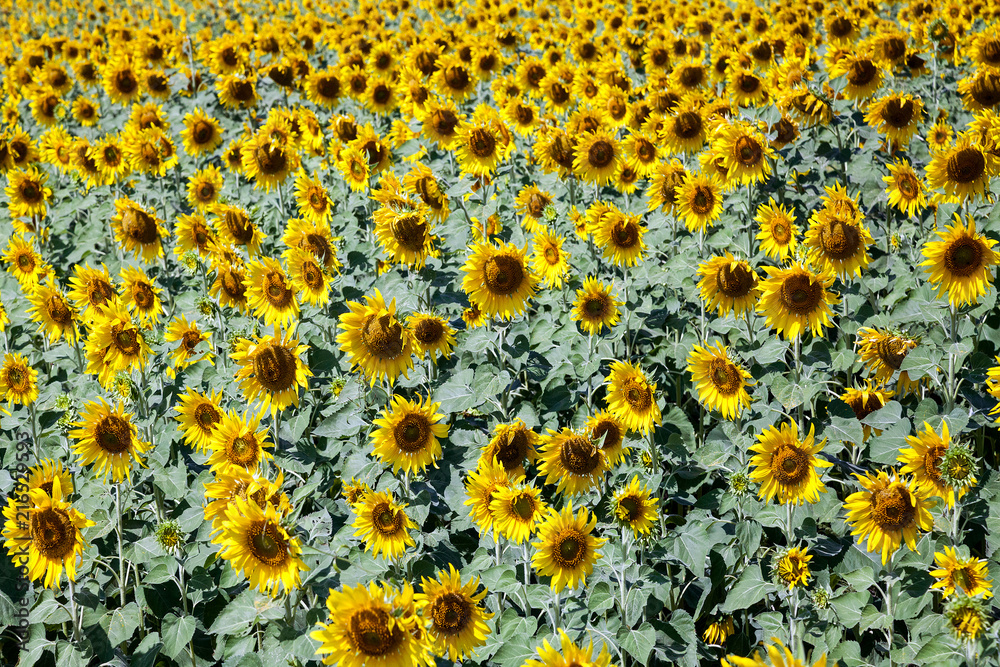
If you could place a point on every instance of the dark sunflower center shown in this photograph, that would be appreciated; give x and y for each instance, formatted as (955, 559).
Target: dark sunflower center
(840, 240)
(609, 431)
(58, 310)
(893, 508)
(790, 465)
(412, 434)
(451, 613)
(536, 204)
(570, 549)
(966, 165)
(799, 295)
(26, 261)
(725, 376)
(267, 544)
(734, 282)
(932, 462)
(328, 87)
(748, 151)
(274, 367)
(637, 394)
(601, 154)
(629, 508)
(964, 256)
(503, 275)
(319, 246)
(692, 77)
(894, 48)
(125, 340)
(386, 520)
(702, 201)
(207, 416)
(596, 305)
(625, 234)
(232, 283)
(748, 83)
(143, 296)
(457, 78)
(861, 73)
(190, 340)
(16, 378)
(512, 448)
(139, 226)
(382, 335)
(113, 434)
(242, 451)
(985, 88)
(523, 507)
(898, 113)
(579, 456)
(52, 533)
(409, 231)
(525, 114)
(369, 633)
(202, 132)
(125, 82)
(482, 143)
(428, 331)
(31, 192)
(862, 408)
(271, 159)
(891, 351)
(908, 186)
(276, 291)
(840, 27)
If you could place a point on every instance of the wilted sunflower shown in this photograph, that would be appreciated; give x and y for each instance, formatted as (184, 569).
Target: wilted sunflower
(960, 262)
(967, 618)
(453, 614)
(511, 445)
(375, 340)
(572, 460)
(786, 467)
(924, 459)
(271, 369)
(49, 540)
(431, 335)
(202, 134)
(238, 442)
(865, 401)
(372, 626)
(190, 337)
(18, 380)
(721, 383)
(795, 299)
(718, 631)
(631, 397)
(792, 568)
(138, 230)
(258, 546)
(699, 201)
(383, 525)
(408, 435)
(778, 232)
(970, 575)
(140, 296)
(634, 507)
(106, 436)
(270, 293)
(888, 511)
(962, 170)
(566, 549)
(596, 306)
(728, 285)
(619, 235)
(56, 316)
(114, 344)
(498, 280)
(906, 190)
(199, 415)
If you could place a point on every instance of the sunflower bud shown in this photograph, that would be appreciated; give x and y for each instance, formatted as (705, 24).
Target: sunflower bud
(549, 213)
(967, 618)
(124, 386)
(739, 483)
(189, 261)
(169, 535)
(63, 402)
(821, 598)
(958, 466)
(337, 385)
(205, 306)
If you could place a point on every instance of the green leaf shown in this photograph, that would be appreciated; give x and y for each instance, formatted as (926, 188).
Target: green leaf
(456, 395)
(239, 614)
(849, 605)
(601, 599)
(749, 590)
(694, 540)
(177, 633)
(146, 652)
(887, 416)
(639, 643)
(938, 650)
(122, 623)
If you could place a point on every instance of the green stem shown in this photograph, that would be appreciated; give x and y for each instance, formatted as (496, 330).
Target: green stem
(121, 552)
(72, 609)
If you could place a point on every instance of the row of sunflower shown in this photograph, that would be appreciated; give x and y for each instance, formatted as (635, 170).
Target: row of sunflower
(385, 148)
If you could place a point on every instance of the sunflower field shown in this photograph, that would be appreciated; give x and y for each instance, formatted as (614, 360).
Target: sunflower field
(532, 333)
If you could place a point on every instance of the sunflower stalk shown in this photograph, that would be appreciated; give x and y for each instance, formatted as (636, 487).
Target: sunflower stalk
(121, 552)
(74, 616)
(34, 429)
(952, 391)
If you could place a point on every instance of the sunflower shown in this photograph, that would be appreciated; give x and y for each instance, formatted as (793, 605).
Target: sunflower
(721, 383)
(270, 293)
(631, 397)
(960, 262)
(452, 612)
(312, 199)
(924, 459)
(685, 130)
(55, 315)
(837, 242)
(258, 546)
(271, 369)
(980, 90)
(883, 353)
(596, 306)
(27, 192)
(498, 280)
(970, 575)
(962, 170)
(114, 344)
(728, 285)
(699, 201)
(786, 467)
(888, 511)
(566, 549)
(719, 631)
(896, 116)
(420, 181)
(907, 192)
(190, 337)
(608, 433)
(375, 340)
(862, 73)
(517, 510)
(140, 296)
(866, 401)
(383, 525)
(404, 233)
(228, 286)
(778, 232)
(597, 157)
(18, 380)
(234, 483)
(431, 335)
(268, 161)
(238, 442)
(121, 80)
(569, 654)
(793, 568)
(510, 445)
(202, 133)
(482, 486)
(408, 435)
(24, 262)
(373, 626)
(620, 236)
(315, 237)
(744, 152)
(199, 415)
(633, 506)
(85, 111)
(236, 227)
(480, 146)
(50, 540)
(572, 460)
(550, 262)
(106, 436)
(236, 91)
(795, 298)
(138, 230)
(307, 277)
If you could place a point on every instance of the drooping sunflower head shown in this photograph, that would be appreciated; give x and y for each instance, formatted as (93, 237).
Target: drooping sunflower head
(865, 401)
(954, 573)
(511, 445)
